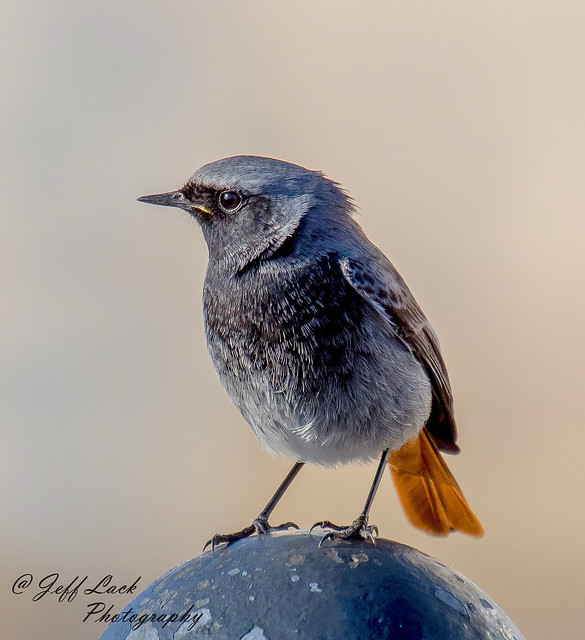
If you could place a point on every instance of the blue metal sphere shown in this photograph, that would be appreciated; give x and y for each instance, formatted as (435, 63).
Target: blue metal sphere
(283, 586)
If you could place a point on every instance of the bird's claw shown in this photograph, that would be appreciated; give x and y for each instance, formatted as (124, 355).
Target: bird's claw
(284, 526)
(220, 538)
(326, 524)
(259, 526)
(359, 528)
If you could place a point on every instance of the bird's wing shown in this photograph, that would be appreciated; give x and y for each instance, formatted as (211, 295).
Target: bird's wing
(380, 284)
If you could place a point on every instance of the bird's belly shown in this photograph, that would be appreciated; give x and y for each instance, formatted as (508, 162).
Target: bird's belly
(325, 397)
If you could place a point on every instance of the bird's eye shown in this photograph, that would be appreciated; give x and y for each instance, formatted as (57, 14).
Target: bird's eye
(229, 200)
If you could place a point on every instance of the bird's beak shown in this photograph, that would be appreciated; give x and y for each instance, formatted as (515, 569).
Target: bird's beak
(174, 199)
(170, 199)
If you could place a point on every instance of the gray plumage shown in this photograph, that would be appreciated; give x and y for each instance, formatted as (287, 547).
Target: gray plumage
(313, 333)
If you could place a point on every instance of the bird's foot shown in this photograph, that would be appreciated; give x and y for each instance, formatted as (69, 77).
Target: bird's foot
(359, 528)
(259, 526)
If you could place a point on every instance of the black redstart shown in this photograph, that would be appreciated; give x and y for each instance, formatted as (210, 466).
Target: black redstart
(318, 341)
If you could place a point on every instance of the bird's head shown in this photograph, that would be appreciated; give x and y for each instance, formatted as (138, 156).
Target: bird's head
(248, 206)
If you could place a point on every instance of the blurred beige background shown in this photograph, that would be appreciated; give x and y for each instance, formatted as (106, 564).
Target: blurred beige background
(458, 128)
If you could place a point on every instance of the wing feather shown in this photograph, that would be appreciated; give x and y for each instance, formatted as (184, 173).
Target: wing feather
(380, 284)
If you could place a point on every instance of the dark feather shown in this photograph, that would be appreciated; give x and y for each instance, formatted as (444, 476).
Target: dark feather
(383, 287)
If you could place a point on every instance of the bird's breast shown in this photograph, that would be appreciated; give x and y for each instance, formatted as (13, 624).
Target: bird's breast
(310, 366)
(295, 323)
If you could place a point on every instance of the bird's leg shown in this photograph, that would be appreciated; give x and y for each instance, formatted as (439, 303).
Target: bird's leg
(260, 524)
(359, 527)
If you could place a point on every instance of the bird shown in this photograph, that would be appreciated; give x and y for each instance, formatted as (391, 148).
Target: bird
(319, 342)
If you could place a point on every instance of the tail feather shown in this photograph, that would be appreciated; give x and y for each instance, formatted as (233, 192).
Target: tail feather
(428, 491)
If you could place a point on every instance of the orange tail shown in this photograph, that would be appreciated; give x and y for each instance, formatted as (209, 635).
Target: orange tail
(428, 491)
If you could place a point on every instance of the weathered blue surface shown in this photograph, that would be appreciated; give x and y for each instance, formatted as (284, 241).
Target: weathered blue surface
(280, 587)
